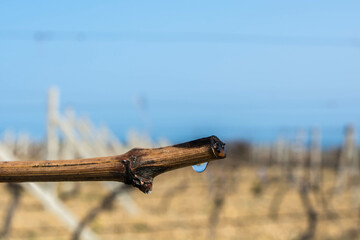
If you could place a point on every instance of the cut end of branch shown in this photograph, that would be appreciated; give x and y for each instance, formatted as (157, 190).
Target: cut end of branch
(218, 147)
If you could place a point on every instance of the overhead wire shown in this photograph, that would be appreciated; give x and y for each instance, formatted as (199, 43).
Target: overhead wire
(151, 36)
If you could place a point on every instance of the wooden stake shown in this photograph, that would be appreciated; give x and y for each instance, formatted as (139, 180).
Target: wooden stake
(137, 167)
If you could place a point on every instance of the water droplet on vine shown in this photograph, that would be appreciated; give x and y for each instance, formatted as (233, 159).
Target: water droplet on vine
(200, 167)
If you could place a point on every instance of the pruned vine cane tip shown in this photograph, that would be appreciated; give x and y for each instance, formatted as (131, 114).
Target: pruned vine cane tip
(137, 167)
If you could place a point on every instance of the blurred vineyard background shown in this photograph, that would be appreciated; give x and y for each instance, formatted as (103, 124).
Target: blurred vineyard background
(277, 81)
(288, 189)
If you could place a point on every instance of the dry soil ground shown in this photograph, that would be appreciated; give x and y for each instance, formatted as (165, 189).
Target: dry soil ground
(179, 208)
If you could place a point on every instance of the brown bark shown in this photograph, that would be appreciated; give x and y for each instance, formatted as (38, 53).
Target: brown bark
(137, 167)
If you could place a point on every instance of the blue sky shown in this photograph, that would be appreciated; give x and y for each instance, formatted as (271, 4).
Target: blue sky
(237, 69)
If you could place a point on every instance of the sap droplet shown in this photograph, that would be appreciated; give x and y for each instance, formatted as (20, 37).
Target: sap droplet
(200, 167)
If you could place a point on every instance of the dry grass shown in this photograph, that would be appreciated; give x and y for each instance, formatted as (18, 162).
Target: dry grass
(184, 213)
